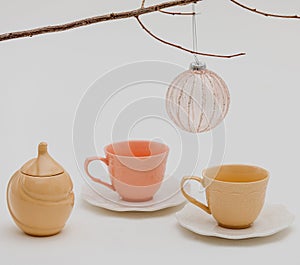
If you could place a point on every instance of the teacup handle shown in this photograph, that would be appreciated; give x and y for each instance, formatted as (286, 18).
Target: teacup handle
(190, 198)
(86, 168)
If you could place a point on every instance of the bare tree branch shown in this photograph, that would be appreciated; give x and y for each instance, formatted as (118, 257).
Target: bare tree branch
(93, 20)
(136, 13)
(177, 13)
(254, 10)
(183, 48)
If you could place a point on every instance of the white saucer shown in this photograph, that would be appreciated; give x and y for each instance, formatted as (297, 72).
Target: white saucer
(272, 219)
(168, 195)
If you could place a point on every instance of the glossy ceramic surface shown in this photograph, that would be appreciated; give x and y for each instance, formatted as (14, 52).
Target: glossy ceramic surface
(136, 168)
(235, 194)
(39, 195)
(169, 195)
(273, 218)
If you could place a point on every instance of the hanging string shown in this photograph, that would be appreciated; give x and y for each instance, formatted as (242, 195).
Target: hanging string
(194, 33)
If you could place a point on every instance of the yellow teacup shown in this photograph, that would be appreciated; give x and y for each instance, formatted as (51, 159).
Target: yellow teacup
(235, 194)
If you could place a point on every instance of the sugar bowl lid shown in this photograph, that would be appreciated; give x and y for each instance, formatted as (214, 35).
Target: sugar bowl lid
(43, 165)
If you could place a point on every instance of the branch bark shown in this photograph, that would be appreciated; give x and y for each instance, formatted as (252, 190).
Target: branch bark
(143, 4)
(183, 48)
(178, 13)
(93, 20)
(254, 10)
(135, 13)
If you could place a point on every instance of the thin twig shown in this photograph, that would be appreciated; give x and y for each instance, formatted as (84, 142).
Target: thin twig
(254, 10)
(178, 13)
(93, 20)
(143, 4)
(183, 48)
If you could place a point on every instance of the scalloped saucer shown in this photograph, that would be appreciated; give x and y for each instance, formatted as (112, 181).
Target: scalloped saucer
(272, 219)
(168, 195)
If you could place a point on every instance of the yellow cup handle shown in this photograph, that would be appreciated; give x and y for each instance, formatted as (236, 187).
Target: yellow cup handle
(191, 199)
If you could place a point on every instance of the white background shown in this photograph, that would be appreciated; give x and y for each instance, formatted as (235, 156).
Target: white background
(43, 78)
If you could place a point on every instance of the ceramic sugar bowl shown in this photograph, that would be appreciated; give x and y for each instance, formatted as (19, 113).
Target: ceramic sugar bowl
(39, 195)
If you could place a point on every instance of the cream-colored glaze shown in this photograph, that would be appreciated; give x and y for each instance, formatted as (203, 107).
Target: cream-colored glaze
(39, 195)
(235, 194)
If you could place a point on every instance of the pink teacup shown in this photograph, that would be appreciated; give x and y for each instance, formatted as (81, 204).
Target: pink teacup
(136, 168)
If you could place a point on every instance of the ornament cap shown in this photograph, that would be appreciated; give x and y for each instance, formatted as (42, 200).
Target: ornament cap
(197, 66)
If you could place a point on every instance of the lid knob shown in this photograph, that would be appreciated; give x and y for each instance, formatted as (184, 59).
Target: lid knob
(42, 149)
(43, 165)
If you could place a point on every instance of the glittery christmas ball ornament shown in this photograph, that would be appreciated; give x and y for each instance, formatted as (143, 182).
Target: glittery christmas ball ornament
(198, 99)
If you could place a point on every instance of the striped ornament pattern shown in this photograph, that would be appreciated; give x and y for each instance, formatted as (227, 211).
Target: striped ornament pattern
(197, 100)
